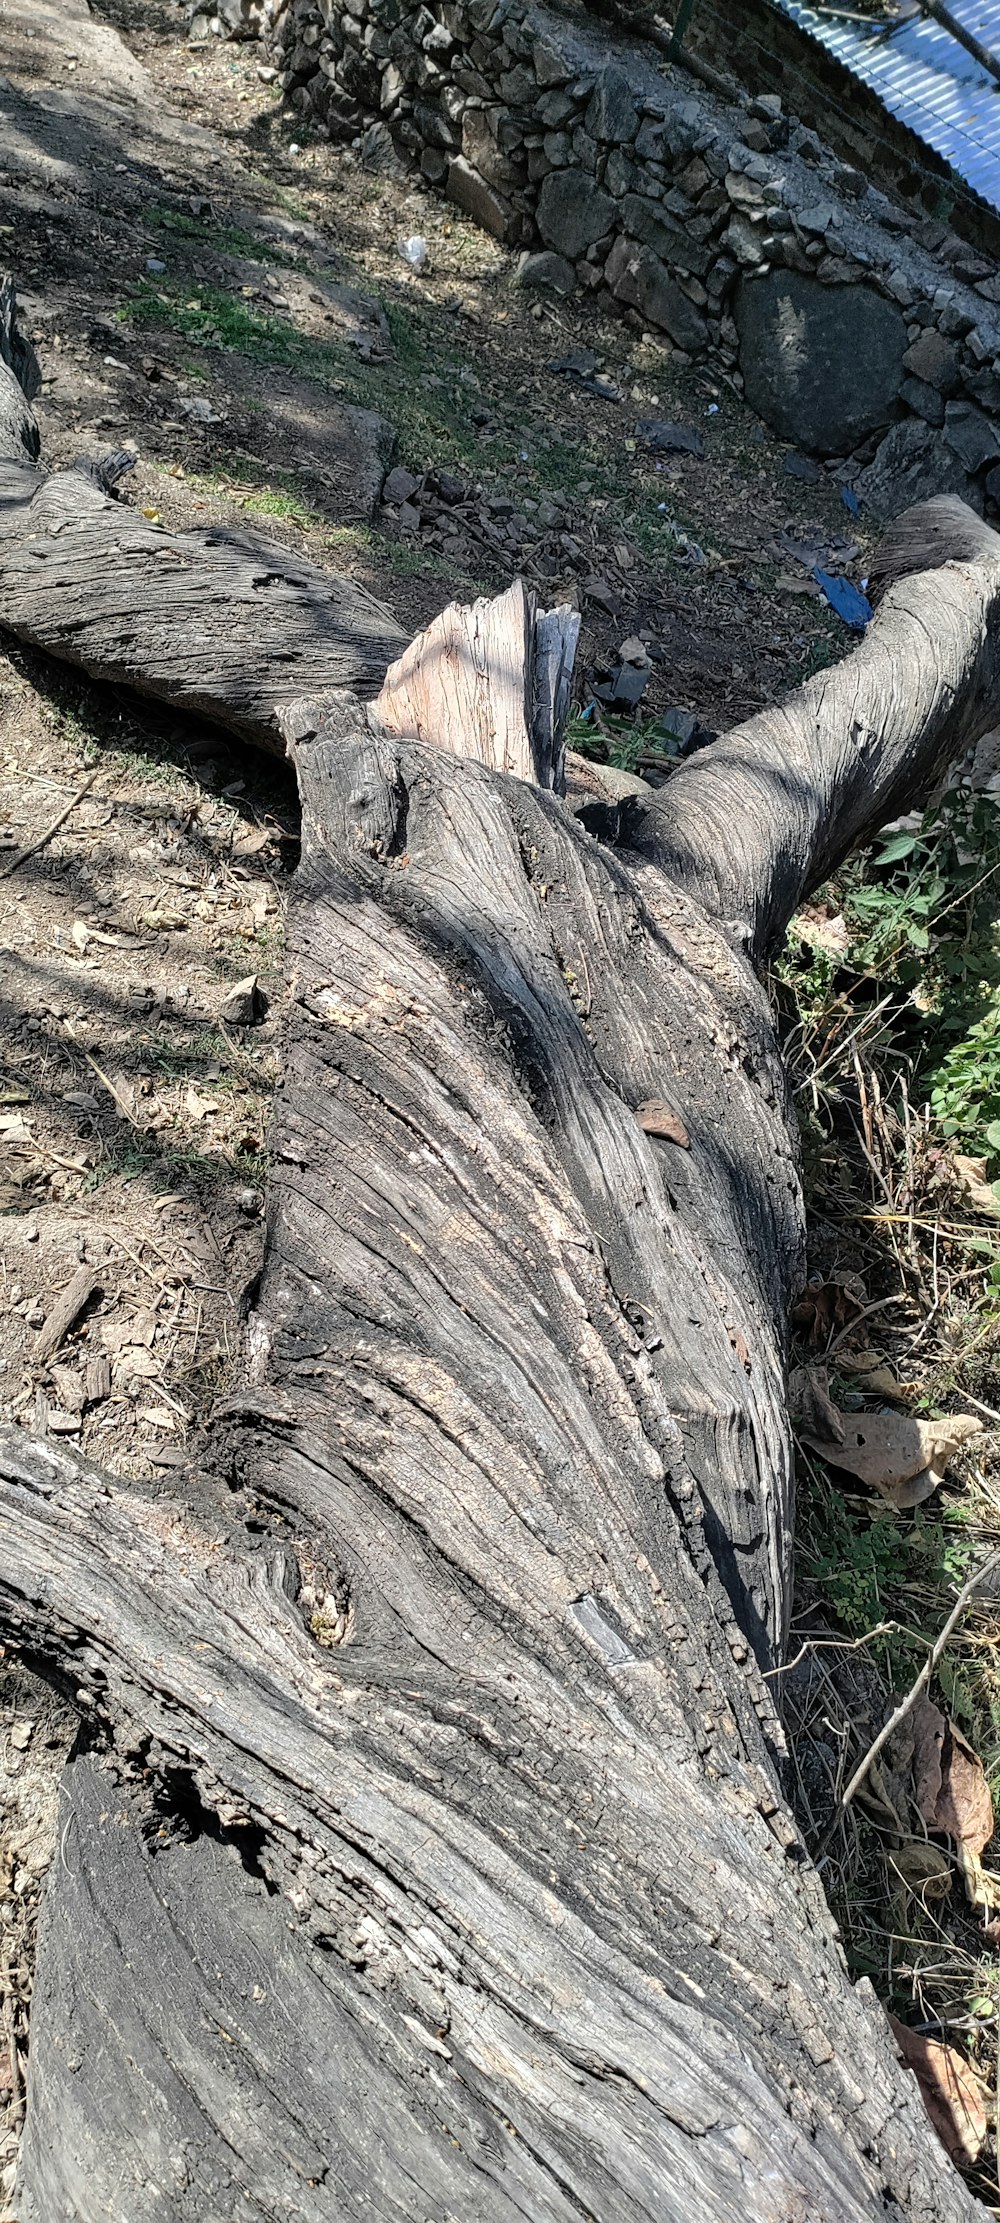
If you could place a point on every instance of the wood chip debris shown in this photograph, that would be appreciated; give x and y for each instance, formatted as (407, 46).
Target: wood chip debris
(67, 1308)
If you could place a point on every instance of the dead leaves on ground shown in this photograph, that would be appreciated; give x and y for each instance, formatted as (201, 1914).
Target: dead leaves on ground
(949, 1785)
(903, 1458)
(952, 1797)
(826, 1306)
(982, 1193)
(949, 2090)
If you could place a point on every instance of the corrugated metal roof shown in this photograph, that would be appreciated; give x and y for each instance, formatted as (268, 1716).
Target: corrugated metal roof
(924, 77)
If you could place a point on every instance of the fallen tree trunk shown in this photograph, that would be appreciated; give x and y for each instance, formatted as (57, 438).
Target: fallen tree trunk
(225, 624)
(427, 1853)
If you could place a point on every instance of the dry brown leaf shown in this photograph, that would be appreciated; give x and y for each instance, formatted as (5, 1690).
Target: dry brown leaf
(812, 1409)
(982, 1887)
(904, 1459)
(980, 1192)
(948, 2089)
(821, 930)
(949, 1784)
(825, 1306)
(880, 1381)
(924, 1868)
(200, 1107)
(158, 1416)
(656, 1118)
(164, 919)
(136, 1363)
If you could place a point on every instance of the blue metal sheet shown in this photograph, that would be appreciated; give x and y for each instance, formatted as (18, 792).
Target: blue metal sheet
(927, 80)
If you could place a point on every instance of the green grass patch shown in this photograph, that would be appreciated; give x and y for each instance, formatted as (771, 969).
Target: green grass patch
(227, 239)
(424, 389)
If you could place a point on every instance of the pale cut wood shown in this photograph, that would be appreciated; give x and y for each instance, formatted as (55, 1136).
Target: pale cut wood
(488, 681)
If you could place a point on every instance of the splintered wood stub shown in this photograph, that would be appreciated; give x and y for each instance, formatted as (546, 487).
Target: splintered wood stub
(488, 681)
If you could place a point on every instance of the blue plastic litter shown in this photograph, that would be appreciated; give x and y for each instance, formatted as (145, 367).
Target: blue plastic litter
(850, 500)
(849, 603)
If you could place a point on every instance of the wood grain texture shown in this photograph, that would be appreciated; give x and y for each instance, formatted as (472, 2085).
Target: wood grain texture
(426, 1856)
(223, 623)
(542, 1926)
(20, 380)
(488, 681)
(752, 824)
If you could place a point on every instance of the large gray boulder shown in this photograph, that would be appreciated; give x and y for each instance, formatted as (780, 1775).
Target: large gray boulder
(821, 364)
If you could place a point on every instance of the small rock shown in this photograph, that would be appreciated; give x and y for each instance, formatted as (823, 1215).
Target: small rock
(913, 463)
(669, 439)
(582, 363)
(573, 213)
(802, 467)
(742, 191)
(924, 400)
(400, 486)
(471, 192)
(243, 1004)
(816, 219)
(612, 113)
(933, 360)
(975, 440)
(154, 266)
(198, 409)
(544, 272)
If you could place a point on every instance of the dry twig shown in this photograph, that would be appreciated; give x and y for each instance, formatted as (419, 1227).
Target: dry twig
(922, 1679)
(45, 838)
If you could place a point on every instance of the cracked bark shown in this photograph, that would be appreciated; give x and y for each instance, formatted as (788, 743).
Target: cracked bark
(427, 1853)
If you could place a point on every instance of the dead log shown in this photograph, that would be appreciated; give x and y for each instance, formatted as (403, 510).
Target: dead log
(227, 625)
(427, 1853)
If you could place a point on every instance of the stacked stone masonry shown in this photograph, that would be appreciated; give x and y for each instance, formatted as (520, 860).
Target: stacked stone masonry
(857, 328)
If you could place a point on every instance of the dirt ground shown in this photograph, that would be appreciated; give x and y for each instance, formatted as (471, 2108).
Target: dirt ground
(210, 286)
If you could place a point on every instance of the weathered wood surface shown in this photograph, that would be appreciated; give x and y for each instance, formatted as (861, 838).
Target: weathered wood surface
(549, 1924)
(20, 379)
(428, 1854)
(219, 622)
(751, 824)
(223, 623)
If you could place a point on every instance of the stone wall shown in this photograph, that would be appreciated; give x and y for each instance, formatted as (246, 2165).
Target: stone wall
(853, 324)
